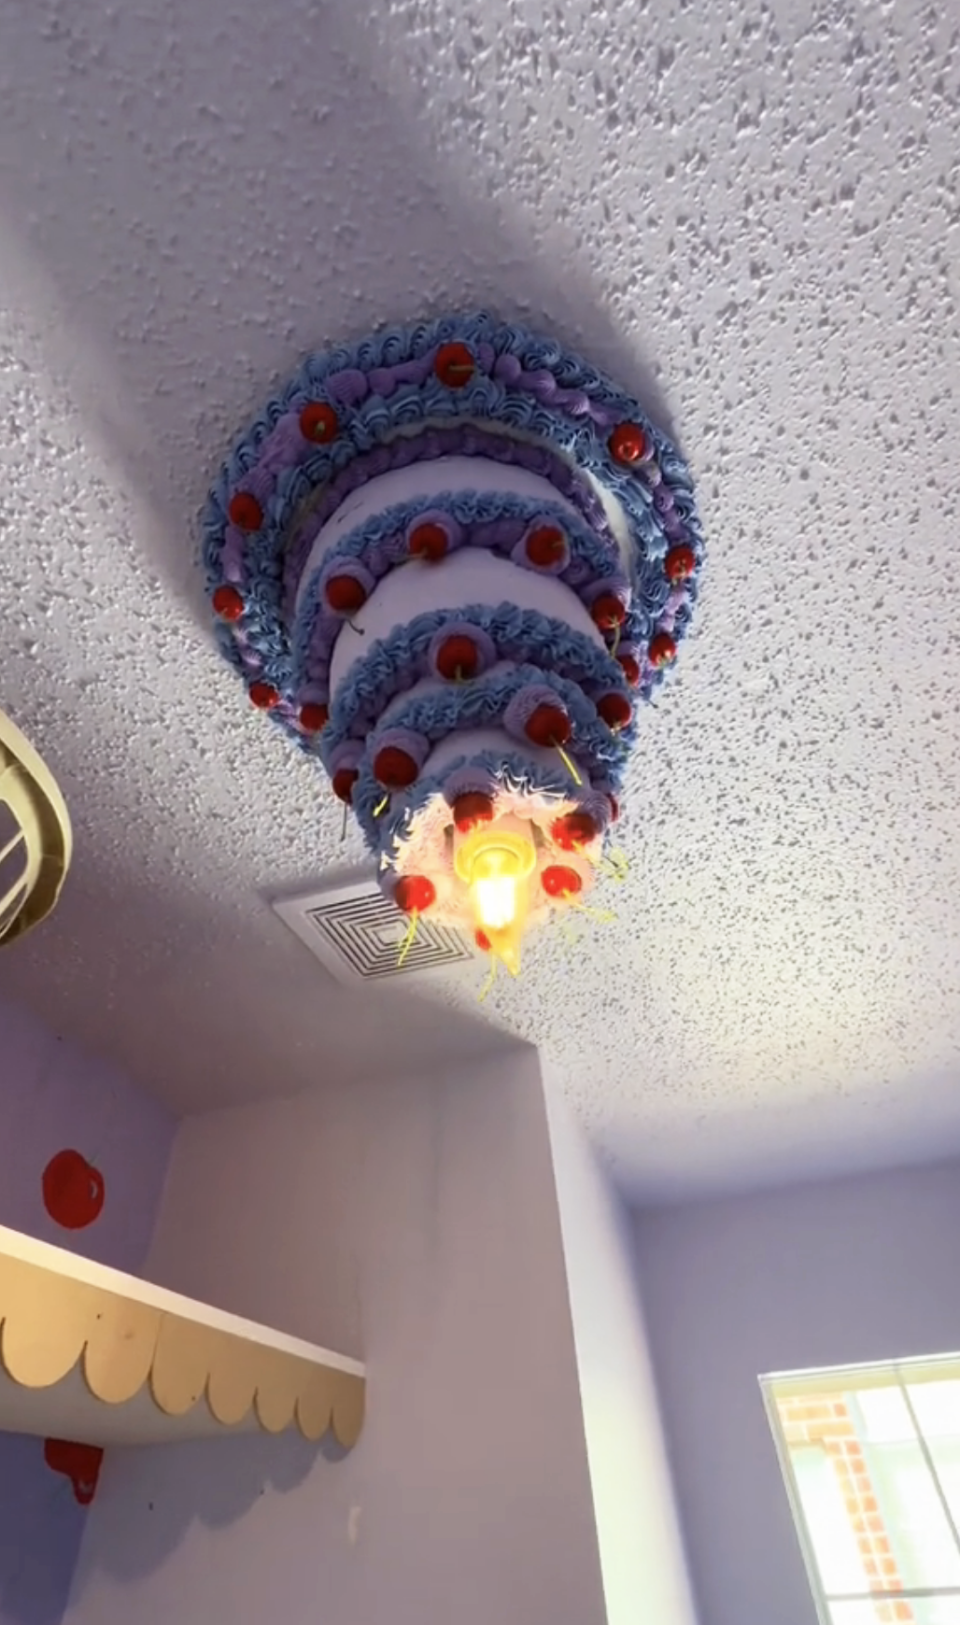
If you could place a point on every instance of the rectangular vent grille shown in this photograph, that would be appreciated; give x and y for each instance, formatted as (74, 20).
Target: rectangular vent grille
(357, 934)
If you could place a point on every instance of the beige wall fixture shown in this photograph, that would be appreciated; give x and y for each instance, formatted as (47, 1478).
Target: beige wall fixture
(91, 1354)
(35, 835)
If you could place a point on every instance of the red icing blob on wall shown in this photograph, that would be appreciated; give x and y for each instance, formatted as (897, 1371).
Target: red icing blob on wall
(80, 1463)
(73, 1190)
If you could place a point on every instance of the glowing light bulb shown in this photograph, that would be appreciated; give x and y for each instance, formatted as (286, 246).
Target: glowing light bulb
(494, 884)
(496, 862)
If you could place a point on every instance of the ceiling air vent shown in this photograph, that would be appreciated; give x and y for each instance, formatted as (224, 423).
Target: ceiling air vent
(357, 934)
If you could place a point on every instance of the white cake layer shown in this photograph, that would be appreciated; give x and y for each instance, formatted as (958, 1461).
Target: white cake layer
(425, 481)
(472, 741)
(472, 576)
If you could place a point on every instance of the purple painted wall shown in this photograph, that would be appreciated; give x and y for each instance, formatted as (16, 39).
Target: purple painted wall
(641, 1550)
(846, 1272)
(51, 1097)
(413, 1221)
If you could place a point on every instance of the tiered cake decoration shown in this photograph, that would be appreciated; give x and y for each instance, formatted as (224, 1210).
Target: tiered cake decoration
(449, 561)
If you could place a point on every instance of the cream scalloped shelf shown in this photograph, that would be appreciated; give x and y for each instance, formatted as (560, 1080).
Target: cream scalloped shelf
(90, 1354)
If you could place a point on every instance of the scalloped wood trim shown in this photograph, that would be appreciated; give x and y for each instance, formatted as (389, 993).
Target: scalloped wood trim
(51, 1321)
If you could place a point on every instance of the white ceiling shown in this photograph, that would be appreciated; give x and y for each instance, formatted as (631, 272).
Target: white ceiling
(750, 215)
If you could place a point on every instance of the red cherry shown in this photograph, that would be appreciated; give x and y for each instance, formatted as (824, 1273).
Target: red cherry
(559, 880)
(631, 669)
(343, 782)
(472, 809)
(454, 365)
(482, 941)
(680, 563)
(616, 710)
(545, 546)
(429, 542)
(264, 696)
(345, 594)
(573, 830)
(313, 718)
(548, 725)
(458, 657)
(414, 893)
(608, 612)
(227, 603)
(78, 1462)
(627, 443)
(73, 1191)
(245, 511)
(319, 423)
(394, 768)
(663, 649)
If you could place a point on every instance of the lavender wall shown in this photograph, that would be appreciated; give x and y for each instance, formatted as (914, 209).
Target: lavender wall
(855, 1270)
(51, 1097)
(413, 1221)
(641, 1551)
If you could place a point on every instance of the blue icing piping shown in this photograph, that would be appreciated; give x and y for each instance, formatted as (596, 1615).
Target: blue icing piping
(393, 664)
(513, 769)
(364, 425)
(469, 508)
(481, 704)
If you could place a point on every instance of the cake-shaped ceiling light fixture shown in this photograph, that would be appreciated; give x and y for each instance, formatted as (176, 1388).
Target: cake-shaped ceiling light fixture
(450, 561)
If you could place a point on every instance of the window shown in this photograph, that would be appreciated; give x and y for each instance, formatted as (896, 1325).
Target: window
(871, 1458)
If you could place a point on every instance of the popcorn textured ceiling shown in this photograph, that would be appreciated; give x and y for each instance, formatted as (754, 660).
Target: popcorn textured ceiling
(749, 213)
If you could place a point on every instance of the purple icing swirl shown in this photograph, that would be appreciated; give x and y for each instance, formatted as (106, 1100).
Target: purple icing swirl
(544, 387)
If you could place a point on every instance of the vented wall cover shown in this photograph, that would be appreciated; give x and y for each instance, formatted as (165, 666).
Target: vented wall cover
(35, 836)
(357, 934)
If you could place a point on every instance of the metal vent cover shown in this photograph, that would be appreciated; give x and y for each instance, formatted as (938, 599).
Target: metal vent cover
(356, 933)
